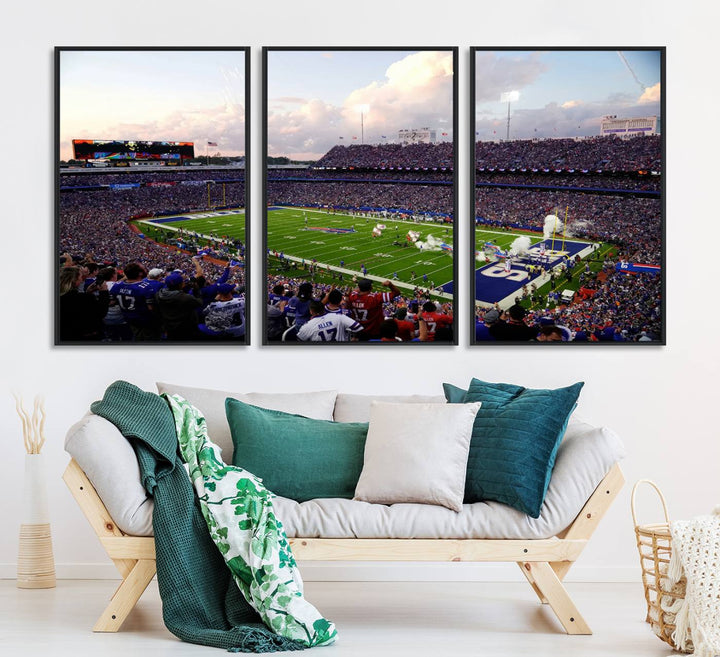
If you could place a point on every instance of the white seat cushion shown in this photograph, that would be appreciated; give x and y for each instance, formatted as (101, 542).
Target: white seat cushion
(583, 459)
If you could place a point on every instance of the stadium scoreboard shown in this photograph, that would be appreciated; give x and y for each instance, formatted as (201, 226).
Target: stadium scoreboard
(631, 127)
(160, 151)
(417, 136)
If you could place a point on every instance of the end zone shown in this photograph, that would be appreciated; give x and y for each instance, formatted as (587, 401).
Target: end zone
(495, 284)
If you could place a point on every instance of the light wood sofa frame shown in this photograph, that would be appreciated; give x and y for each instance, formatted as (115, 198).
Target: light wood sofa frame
(543, 562)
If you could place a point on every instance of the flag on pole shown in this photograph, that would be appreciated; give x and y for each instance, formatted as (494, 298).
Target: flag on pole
(354, 137)
(212, 143)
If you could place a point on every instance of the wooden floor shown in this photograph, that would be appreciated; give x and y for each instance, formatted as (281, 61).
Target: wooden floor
(373, 618)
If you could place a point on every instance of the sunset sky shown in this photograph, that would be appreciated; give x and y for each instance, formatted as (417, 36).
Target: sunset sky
(196, 96)
(315, 98)
(562, 93)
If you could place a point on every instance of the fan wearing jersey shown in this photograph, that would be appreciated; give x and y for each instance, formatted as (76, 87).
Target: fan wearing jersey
(297, 309)
(136, 297)
(333, 301)
(367, 306)
(226, 315)
(434, 320)
(327, 327)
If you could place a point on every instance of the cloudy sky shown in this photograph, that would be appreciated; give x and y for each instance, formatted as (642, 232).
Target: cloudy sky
(315, 98)
(196, 96)
(562, 93)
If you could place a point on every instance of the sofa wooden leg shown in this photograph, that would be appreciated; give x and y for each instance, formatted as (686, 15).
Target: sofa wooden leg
(558, 598)
(525, 568)
(126, 596)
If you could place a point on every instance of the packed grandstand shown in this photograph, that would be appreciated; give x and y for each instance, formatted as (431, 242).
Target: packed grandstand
(98, 233)
(612, 187)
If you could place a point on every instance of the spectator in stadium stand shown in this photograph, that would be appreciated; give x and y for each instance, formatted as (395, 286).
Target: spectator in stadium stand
(483, 326)
(226, 315)
(550, 333)
(406, 328)
(434, 320)
(81, 313)
(297, 309)
(512, 326)
(367, 306)
(276, 322)
(178, 310)
(154, 278)
(333, 300)
(136, 297)
(327, 327)
(388, 331)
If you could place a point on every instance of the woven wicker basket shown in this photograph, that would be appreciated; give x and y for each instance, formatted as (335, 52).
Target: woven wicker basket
(654, 544)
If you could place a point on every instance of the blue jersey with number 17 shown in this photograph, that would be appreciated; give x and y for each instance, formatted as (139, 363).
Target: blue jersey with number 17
(133, 299)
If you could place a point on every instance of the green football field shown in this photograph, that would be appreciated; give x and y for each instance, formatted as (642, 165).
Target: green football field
(389, 256)
(213, 223)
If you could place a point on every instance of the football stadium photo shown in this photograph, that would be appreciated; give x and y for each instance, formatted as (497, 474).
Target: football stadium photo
(359, 194)
(568, 183)
(150, 212)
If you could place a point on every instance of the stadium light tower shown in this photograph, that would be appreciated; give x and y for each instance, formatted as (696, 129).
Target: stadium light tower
(509, 97)
(363, 109)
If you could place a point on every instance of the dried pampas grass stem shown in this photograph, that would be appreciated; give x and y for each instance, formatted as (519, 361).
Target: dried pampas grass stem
(33, 426)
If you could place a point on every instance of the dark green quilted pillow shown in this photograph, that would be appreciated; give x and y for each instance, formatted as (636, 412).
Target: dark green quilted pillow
(295, 456)
(515, 438)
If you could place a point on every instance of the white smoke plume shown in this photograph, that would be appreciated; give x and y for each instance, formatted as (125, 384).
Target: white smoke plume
(430, 244)
(552, 224)
(520, 245)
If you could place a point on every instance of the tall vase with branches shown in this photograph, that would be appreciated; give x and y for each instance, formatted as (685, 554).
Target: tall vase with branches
(36, 565)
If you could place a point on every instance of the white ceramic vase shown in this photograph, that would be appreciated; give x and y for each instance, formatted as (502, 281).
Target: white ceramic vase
(36, 566)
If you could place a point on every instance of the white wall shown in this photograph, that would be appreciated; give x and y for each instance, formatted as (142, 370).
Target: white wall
(662, 400)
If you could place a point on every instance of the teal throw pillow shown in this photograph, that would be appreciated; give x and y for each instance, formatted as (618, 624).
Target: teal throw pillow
(515, 439)
(453, 394)
(295, 456)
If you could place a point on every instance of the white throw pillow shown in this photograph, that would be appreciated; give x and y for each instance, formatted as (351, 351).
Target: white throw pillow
(417, 453)
(211, 403)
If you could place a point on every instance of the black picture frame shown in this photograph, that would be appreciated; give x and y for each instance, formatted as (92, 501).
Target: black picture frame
(241, 175)
(658, 334)
(266, 200)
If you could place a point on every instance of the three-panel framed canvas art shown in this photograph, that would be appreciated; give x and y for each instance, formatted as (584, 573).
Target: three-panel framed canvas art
(362, 232)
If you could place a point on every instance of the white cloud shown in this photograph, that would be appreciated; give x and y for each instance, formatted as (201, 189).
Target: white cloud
(650, 95)
(495, 75)
(415, 92)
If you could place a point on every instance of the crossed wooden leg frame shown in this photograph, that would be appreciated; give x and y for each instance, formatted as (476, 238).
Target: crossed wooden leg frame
(544, 562)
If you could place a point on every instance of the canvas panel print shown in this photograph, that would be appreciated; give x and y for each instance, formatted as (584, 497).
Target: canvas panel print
(568, 159)
(360, 195)
(151, 199)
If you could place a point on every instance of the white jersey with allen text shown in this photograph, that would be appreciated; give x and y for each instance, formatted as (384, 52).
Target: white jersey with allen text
(328, 328)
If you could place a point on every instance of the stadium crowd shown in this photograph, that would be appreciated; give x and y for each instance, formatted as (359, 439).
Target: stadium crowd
(423, 155)
(413, 198)
(592, 154)
(385, 315)
(610, 307)
(94, 235)
(633, 223)
(103, 303)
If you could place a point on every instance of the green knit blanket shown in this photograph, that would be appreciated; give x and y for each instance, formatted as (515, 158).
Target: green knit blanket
(201, 602)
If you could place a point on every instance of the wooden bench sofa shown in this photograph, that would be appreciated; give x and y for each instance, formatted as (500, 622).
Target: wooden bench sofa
(544, 562)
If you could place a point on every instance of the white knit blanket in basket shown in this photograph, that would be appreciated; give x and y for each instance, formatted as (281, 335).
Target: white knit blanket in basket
(696, 553)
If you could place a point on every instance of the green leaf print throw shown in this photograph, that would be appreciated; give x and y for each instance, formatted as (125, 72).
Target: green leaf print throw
(238, 511)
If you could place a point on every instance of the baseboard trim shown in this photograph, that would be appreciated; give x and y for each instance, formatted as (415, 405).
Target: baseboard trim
(319, 571)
